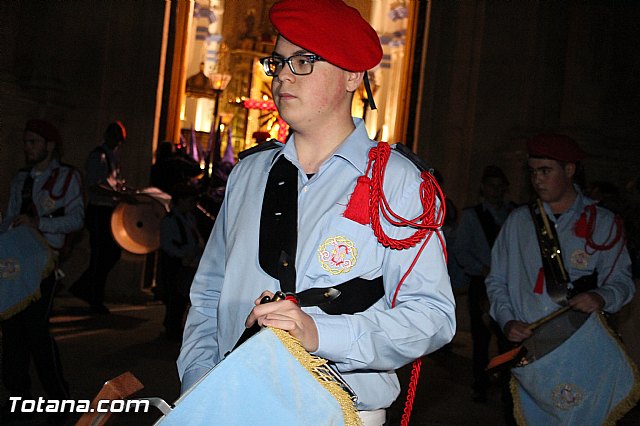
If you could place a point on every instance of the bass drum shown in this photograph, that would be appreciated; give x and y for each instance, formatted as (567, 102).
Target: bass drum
(135, 223)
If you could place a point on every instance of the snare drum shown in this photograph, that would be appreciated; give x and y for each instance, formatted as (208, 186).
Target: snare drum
(25, 260)
(263, 383)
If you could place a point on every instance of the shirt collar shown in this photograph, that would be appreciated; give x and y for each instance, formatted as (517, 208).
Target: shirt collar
(352, 149)
(53, 163)
(576, 208)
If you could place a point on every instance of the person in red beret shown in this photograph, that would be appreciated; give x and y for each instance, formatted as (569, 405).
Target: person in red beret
(104, 182)
(367, 303)
(46, 198)
(562, 250)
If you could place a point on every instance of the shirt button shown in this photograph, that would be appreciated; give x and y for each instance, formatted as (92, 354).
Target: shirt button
(305, 189)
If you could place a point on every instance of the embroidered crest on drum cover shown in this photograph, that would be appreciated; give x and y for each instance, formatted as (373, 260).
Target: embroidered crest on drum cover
(567, 396)
(579, 259)
(337, 255)
(9, 268)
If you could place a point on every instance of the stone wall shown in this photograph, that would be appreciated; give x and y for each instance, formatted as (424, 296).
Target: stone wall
(499, 72)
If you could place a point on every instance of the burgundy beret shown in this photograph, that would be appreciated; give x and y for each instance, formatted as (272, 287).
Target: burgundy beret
(45, 129)
(330, 29)
(556, 147)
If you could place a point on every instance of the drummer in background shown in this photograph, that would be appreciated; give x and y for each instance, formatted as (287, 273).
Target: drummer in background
(516, 285)
(103, 181)
(47, 196)
(322, 53)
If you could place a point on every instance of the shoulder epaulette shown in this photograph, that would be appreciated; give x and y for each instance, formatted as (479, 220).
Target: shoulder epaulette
(270, 144)
(411, 156)
(69, 166)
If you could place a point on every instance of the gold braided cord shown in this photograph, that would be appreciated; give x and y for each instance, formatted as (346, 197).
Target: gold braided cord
(319, 370)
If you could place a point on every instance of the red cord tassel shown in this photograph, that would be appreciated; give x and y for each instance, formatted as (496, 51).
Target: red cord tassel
(538, 289)
(581, 228)
(358, 208)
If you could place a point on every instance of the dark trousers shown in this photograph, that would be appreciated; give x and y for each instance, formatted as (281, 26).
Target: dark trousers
(481, 332)
(481, 338)
(105, 253)
(25, 336)
(173, 289)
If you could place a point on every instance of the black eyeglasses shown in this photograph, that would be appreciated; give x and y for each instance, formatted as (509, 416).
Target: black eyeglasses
(298, 64)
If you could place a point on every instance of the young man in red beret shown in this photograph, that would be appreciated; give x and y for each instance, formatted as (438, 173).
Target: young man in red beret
(45, 196)
(563, 251)
(314, 238)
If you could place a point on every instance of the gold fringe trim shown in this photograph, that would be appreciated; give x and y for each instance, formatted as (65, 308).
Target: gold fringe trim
(633, 397)
(518, 415)
(50, 266)
(318, 368)
(618, 411)
(22, 305)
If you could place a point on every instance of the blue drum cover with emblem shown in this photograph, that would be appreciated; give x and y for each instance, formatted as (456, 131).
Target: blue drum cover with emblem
(588, 380)
(259, 383)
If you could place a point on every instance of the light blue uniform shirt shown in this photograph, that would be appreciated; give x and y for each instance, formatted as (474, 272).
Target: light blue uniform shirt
(377, 340)
(47, 202)
(516, 261)
(471, 248)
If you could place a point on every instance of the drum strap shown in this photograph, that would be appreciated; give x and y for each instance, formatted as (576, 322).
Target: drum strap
(279, 224)
(27, 205)
(556, 277)
(278, 244)
(489, 225)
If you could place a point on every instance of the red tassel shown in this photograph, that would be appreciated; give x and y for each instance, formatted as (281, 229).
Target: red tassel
(581, 228)
(358, 206)
(538, 289)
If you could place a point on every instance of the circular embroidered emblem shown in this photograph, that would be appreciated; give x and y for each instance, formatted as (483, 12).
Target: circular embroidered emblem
(566, 396)
(579, 259)
(337, 255)
(9, 268)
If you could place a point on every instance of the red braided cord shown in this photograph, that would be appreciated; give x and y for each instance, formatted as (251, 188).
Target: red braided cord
(609, 242)
(411, 392)
(425, 223)
(379, 156)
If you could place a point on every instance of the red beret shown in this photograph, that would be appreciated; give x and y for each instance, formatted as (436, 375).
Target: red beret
(556, 147)
(330, 29)
(45, 129)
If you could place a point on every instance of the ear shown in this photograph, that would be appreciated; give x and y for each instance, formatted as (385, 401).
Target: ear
(570, 169)
(51, 147)
(354, 79)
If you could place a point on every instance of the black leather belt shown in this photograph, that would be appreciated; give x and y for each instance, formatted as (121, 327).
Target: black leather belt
(353, 296)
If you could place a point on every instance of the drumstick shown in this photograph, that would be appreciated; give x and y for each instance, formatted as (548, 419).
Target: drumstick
(515, 354)
(548, 318)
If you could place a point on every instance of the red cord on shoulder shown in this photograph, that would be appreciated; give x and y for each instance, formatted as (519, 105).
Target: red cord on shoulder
(358, 207)
(368, 202)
